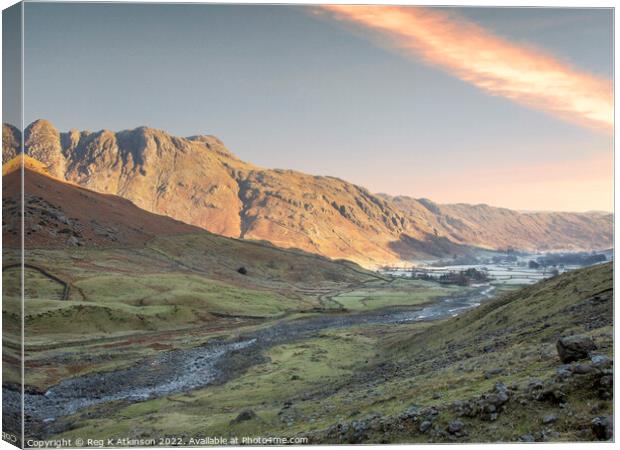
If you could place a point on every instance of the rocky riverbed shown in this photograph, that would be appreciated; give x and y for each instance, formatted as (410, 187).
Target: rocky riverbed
(188, 369)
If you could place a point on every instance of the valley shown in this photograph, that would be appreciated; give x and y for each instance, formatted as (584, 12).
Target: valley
(374, 376)
(230, 224)
(143, 327)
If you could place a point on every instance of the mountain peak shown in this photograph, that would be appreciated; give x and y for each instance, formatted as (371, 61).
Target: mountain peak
(42, 142)
(11, 142)
(42, 124)
(196, 179)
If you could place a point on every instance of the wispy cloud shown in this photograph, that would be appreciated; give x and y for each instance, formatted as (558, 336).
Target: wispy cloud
(499, 67)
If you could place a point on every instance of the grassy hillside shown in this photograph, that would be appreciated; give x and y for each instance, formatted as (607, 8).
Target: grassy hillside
(492, 374)
(511, 340)
(100, 268)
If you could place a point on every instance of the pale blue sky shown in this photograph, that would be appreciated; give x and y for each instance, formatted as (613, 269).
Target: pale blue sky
(285, 89)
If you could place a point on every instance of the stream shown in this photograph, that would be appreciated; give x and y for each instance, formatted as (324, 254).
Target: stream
(184, 370)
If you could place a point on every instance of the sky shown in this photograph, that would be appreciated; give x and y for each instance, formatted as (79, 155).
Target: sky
(509, 107)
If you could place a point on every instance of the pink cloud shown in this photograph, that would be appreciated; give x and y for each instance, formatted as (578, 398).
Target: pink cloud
(495, 65)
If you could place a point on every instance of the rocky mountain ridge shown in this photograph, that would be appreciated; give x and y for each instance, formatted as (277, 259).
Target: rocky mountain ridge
(197, 180)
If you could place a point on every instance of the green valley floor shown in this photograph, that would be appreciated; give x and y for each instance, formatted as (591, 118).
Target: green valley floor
(193, 350)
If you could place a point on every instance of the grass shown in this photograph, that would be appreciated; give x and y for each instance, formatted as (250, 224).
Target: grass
(538, 312)
(142, 290)
(176, 284)
(128, 304)
(400, 292)
(341, 376)
(172, 283)
(197, 293)
(291, 370)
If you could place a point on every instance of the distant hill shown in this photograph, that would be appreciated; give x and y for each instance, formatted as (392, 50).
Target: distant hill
(62, 215)
(58, 214)
(199, 181)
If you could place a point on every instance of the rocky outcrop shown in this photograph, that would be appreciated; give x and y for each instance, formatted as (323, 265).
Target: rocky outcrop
(11, 142)
(42, 142)
(603, 428)
(574, 348)
(199, 181)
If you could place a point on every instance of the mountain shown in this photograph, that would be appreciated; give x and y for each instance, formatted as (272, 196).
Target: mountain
(11, 142)
(60, 215)
(199, 181)
(500, 228)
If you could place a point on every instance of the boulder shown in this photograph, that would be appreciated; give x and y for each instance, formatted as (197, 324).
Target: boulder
(564, 371)
(601, 361)
(582, 369)
(605, 385)
(425, 426)
(574, 348)
(535, 385)
(244, 416)
(603, 428)
(551, 395)
(411, 413)
(494, 372)
(455, 427)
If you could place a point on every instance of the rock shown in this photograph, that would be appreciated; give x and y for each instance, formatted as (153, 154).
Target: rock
(487, 406)
(564, 371)
(494, 372)
(425, 426)
(463, 408)
(555, 396)
(455, 427)
(430, 413)
(601, 361)
(605, 385)
(574, 348)
(502, 393)
(535, 384)
(411, 413)
(550, 418)
(582, 369)
(436, 395)
(244, 416)
(73, 241)
(549, 435)
(606, 381)
(527, 438)
(603, 428)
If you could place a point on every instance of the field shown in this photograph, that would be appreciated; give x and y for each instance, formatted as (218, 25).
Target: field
(117, 311)
(352, 382)
(400, 292)
(363, 384)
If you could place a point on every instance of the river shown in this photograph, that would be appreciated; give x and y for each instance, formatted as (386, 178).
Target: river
(184, 370)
